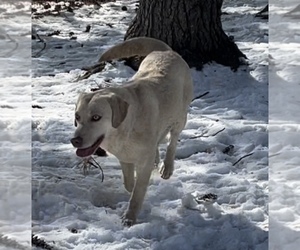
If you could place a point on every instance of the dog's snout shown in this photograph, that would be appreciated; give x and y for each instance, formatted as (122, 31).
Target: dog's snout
(76, 141)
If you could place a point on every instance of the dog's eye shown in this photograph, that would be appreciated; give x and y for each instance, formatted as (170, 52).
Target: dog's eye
(77, 117)
(96, 118)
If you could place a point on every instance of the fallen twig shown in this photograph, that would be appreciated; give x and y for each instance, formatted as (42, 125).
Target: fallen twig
(91, 70)
(202, 135)
(198, 97)
(242, 158)
(10, 53)
(270, 156)
(36, 107)
(215, 133)
(86, 164)
(97, 165)
(196, 136)
(43, 41)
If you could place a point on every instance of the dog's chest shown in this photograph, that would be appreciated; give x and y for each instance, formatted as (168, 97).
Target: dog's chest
(126, 150)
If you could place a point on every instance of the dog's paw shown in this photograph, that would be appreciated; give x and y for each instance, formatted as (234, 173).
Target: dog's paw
(166, 171)
(127, 220)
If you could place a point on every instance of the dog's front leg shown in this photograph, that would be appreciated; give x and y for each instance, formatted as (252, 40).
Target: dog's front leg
(128, 175)
(137, 196)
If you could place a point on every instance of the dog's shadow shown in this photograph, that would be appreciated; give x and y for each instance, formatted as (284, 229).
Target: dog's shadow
(190, 229)
(110, 195)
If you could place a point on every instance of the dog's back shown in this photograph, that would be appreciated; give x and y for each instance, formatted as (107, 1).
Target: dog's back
(160, 62)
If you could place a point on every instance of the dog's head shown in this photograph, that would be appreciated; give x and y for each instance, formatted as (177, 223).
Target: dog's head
(96, 115)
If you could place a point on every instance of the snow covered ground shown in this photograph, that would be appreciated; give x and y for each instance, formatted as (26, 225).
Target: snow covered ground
(74, 211)
(71, 210)
(15, 125)
(284, 128)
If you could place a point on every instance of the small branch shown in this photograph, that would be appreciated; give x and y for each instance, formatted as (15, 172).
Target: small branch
(215, 133)
(86, 164)
(97, 165)
(200, 96)
(10, 53)
(197, 136)
(206, 136)
(36, 107)
(270, 156)
(45, 44)
(242, 158)
(91, 70)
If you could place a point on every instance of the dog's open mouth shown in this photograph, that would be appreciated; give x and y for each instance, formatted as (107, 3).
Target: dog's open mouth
(84, 152)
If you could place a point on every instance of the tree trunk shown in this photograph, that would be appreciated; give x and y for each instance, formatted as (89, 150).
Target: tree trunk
(192, 28)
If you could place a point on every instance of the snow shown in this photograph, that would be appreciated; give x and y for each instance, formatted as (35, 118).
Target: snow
(71, 210)
(284, 127)
(15, 124)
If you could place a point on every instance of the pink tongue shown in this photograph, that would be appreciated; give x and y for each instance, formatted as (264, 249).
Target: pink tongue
(86, 151)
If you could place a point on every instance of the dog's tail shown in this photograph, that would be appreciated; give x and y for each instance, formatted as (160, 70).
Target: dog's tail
(138, 46)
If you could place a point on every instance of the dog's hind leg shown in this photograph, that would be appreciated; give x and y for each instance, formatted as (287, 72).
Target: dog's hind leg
(167, 167)
(128, 175)
(164, 139)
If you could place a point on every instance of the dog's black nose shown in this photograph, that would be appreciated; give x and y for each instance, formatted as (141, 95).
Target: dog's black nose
(76, 141)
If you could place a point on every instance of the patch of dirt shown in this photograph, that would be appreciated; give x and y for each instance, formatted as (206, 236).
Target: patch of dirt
(74, 1)
(55, 7)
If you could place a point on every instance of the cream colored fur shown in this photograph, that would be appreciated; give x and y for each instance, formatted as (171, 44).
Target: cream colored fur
(136, 117)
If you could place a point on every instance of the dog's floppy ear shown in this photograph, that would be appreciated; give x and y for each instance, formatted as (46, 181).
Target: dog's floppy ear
(119, 109)
(75, 122)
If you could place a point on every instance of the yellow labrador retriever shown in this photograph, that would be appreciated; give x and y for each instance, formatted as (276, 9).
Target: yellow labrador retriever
(131, 121)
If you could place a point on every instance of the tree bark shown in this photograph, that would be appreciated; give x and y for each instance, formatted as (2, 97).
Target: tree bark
(192, 28)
